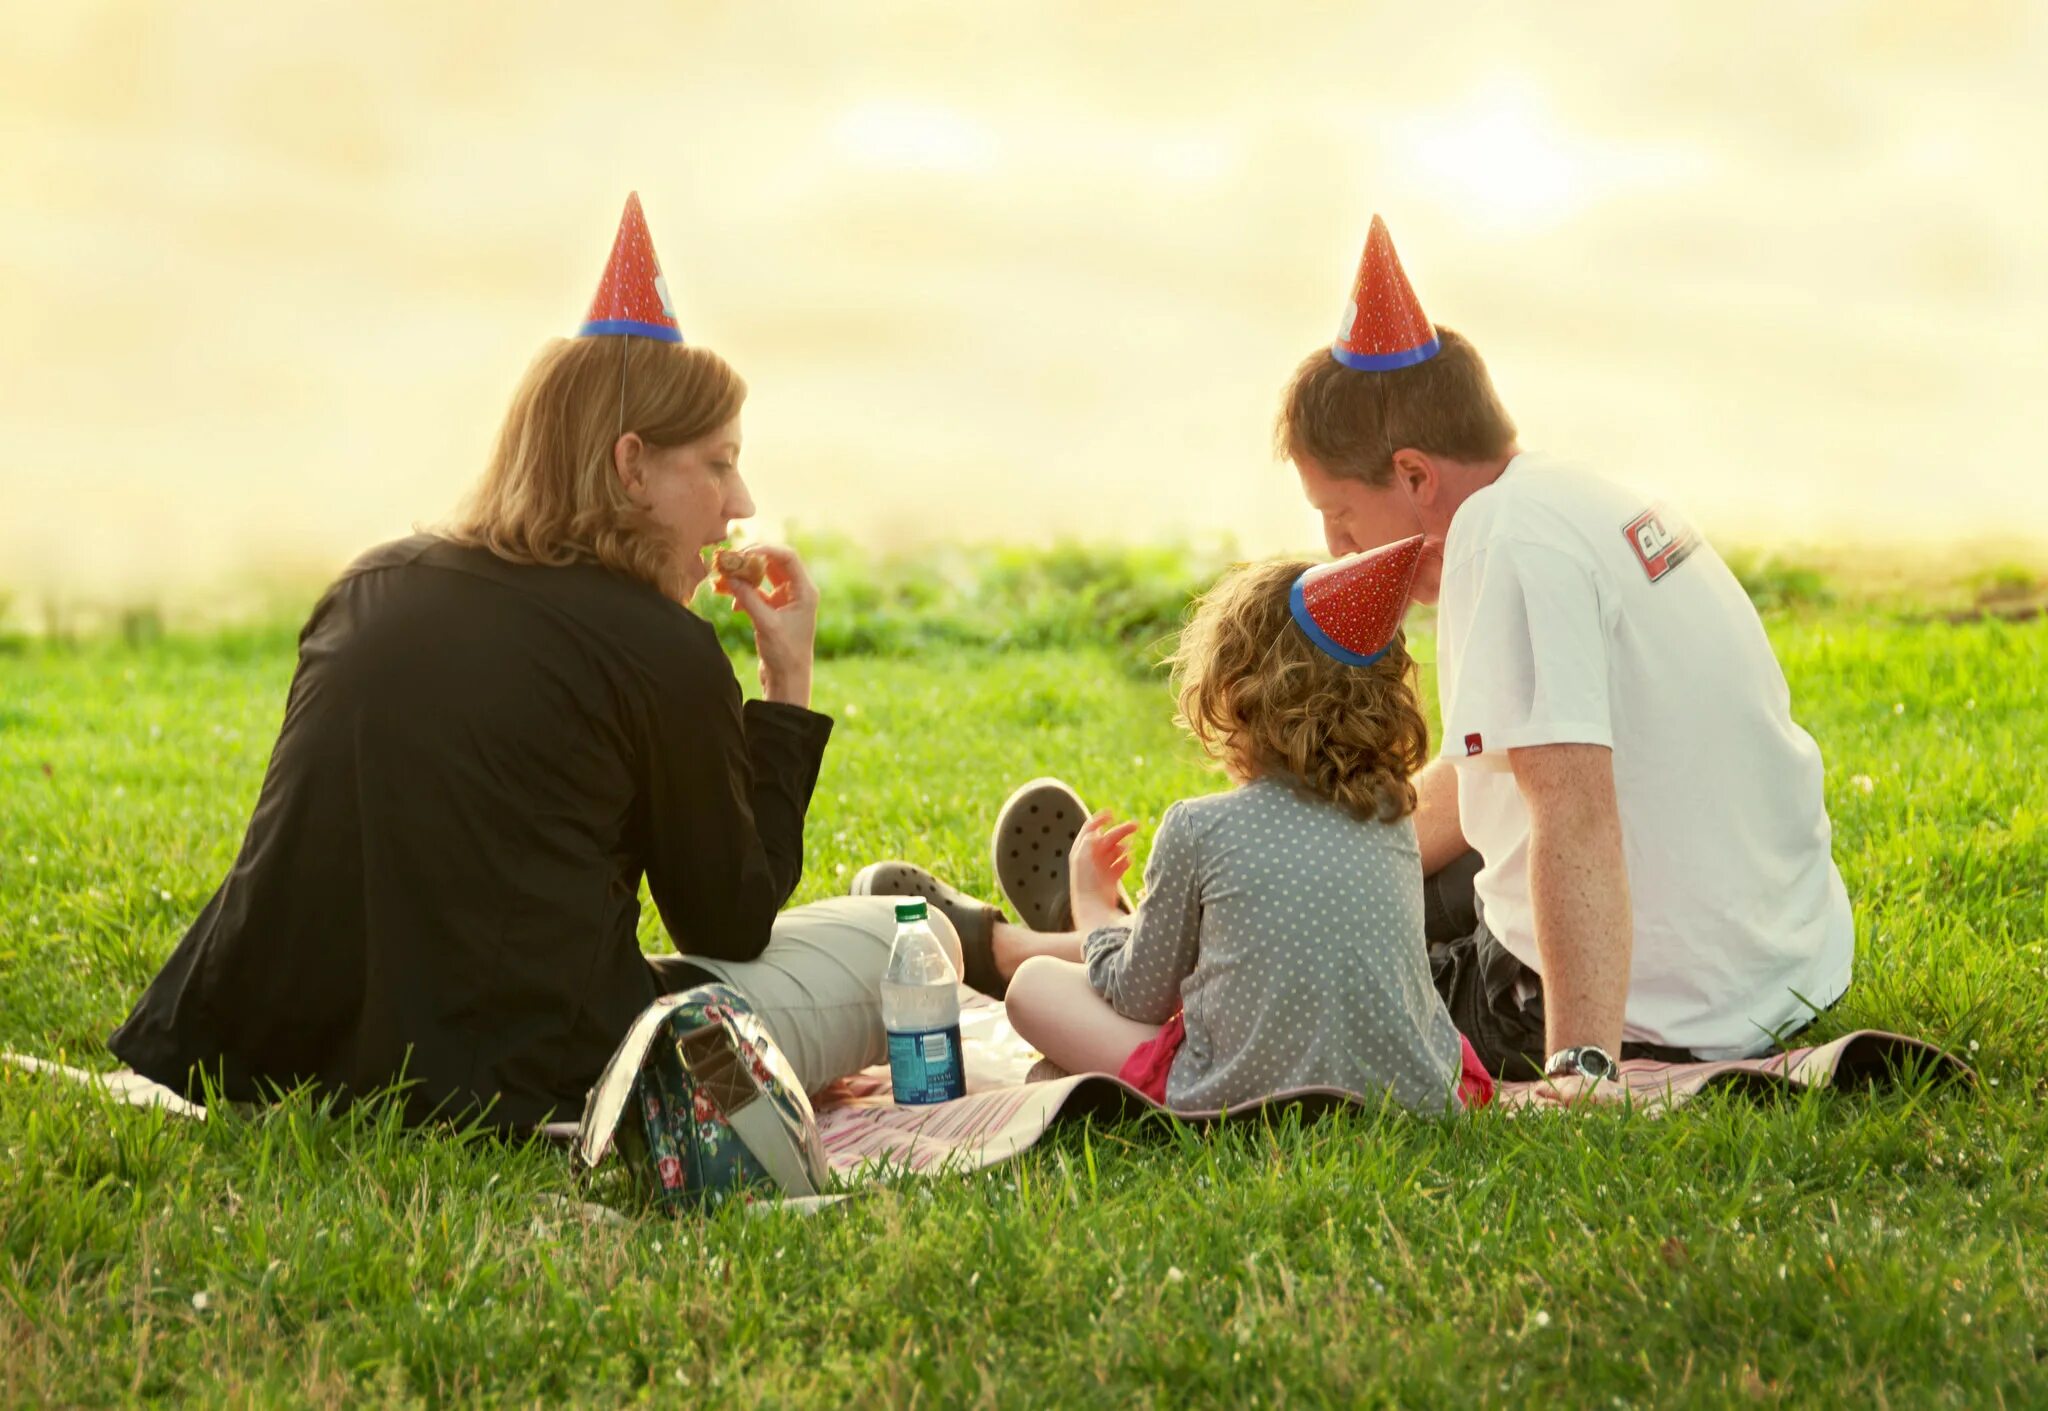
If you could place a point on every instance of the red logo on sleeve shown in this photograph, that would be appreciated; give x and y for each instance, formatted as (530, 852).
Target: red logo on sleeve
(1660, 539)
(1473, 745)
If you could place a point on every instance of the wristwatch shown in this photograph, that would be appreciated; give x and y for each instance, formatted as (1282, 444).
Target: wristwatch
(1586, 1061)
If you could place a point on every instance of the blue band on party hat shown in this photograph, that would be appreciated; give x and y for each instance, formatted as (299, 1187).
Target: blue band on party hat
(1387, 362)
(601, 327)
(1298, 605)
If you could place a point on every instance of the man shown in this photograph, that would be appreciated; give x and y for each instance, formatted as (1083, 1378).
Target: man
(1652, 874)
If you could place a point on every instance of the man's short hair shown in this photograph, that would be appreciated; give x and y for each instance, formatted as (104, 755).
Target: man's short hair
(1350, 423)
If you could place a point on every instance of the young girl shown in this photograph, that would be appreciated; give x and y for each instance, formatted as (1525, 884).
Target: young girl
(1279, 944)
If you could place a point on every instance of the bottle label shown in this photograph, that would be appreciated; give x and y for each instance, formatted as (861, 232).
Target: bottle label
(924, 1065)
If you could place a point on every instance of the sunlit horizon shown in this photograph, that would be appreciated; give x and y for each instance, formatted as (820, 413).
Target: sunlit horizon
(1016, 273)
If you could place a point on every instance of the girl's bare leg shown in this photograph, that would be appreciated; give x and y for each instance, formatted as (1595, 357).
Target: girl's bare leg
(1056, 1010)
(1014, 944)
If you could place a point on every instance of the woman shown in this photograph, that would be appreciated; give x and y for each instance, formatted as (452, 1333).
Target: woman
(493, 734)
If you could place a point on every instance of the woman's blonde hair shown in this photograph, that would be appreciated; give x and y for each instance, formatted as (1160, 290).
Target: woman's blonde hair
(1262, 699)
(551, 494)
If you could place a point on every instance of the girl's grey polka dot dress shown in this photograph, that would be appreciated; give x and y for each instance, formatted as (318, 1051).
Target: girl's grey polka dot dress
(1290, 935)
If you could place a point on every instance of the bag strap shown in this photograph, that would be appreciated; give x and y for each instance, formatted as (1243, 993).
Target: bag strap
(767, 1135)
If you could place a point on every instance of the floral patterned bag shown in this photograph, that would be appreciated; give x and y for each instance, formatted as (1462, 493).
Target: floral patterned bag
(702, 1104)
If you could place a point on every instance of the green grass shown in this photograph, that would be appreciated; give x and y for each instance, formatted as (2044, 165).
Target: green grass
(1872, 1250)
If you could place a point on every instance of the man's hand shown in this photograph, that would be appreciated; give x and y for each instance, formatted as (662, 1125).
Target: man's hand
(1575, 1090)
(1095, 864)
(1578, 888)
(784, 611)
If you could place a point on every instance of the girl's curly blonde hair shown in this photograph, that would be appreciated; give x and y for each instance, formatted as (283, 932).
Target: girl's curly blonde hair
(1262, 699)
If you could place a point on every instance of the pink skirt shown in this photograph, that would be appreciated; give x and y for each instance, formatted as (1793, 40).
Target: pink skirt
(1152, 1060)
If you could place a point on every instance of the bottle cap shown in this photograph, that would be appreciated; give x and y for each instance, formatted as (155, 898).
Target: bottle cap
(910, 910)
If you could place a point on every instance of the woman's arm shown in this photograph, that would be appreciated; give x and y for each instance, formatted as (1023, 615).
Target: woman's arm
(1139, 968)
(729, 785)
(782, 603)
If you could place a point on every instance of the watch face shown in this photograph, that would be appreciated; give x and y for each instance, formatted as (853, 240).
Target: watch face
(1595, 1063)
(1584, 1062)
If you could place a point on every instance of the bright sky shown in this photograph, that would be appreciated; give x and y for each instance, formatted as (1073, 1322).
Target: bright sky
(1009, 269)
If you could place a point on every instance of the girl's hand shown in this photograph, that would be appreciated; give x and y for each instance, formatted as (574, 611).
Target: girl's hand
(1095, 864)
(784, 611)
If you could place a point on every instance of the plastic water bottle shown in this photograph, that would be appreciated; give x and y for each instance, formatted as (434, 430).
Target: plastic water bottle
(921, 1011)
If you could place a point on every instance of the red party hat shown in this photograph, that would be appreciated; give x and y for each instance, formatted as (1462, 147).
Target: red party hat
(1353, 607)
(633, 297)
(1384, 326)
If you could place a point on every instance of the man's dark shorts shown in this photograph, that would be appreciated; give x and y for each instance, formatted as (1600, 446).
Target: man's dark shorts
(1479, 981)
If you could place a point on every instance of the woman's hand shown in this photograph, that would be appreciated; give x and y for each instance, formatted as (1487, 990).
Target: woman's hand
(1095, 864)
(784, 611)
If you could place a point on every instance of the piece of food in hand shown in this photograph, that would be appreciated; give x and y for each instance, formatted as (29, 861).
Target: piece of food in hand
(747, 568)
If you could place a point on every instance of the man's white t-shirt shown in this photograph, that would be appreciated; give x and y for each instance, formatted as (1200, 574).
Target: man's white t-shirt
(1573, 611)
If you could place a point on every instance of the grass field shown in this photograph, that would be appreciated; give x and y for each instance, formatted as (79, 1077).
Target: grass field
(1882, 1251)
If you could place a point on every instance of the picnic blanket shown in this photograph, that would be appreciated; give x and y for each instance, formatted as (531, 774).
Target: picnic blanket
(868, 1137)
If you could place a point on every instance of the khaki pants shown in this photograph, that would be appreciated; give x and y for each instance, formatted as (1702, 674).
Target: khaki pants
(817, 986)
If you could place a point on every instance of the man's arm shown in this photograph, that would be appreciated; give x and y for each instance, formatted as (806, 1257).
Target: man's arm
(1437, 830)
(1578, 887)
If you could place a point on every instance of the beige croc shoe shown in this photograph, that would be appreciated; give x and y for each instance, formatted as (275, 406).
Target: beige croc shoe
(1028, 852)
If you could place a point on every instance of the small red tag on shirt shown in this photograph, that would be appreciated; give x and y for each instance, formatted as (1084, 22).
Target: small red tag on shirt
(1473, 745)
(1660, 539)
